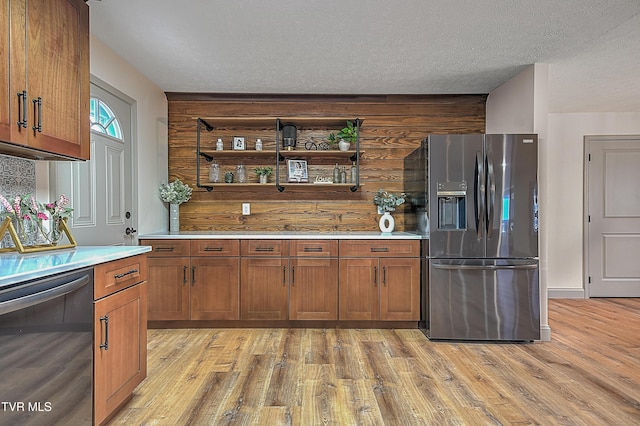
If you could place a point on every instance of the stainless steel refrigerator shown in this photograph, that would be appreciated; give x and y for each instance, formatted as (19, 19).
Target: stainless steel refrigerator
(482, 263)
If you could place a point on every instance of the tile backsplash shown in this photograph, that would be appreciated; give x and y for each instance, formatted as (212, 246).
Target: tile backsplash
(17, 177)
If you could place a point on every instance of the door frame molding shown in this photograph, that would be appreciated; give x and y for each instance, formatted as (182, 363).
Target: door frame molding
(588, 139)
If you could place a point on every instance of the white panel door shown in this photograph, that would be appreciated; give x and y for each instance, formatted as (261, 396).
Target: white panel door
(101, 189)
(613, 216)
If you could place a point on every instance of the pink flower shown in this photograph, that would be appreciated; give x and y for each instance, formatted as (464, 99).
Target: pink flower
(42, 216)
(6, 204)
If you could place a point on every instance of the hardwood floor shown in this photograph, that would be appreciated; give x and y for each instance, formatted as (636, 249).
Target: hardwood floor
(589, 374)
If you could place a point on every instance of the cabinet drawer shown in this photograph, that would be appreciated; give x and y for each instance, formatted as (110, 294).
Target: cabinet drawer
(165, 248)
(215, 247)
(314, 248)
(271, 248)
(114, 276)
(379, 248)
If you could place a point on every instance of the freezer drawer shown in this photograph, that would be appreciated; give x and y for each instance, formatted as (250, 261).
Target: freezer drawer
(484, 299)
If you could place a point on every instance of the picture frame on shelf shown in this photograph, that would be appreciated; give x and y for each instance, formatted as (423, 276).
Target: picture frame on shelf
(238, 143)
(297, 171)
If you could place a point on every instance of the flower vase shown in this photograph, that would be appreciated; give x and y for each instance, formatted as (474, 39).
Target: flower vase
(264, 179)
(387, 223)
(174, 218)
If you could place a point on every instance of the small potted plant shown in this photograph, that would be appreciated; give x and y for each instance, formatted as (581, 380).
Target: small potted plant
(387, 203)
(264, 173)
(344, 137)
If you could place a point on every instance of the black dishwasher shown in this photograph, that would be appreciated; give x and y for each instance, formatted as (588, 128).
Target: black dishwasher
(46, 358)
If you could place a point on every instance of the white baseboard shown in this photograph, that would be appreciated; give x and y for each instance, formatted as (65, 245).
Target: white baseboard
(545, 333)
(566, 293)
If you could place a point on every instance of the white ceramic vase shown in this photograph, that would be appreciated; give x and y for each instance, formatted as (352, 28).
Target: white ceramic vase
(344, 145)
(264, 179)
(174, 218)
(387, 223)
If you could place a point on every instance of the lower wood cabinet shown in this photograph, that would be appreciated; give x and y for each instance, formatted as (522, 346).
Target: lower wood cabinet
(120, 333)
(313, 289)
(203, 285)
(264, 287)
(375, 287)
(276, 280)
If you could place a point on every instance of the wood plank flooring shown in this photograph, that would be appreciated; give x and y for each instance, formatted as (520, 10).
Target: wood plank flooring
(589, 374)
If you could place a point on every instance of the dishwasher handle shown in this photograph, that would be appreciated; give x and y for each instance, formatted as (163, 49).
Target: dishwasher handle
(43, 296)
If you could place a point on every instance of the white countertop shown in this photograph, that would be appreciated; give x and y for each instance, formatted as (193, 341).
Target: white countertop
(284, 235)
(16, 267)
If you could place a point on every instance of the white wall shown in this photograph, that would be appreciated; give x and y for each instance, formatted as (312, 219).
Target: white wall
(521, 106)
(565, 206)
(150, 132)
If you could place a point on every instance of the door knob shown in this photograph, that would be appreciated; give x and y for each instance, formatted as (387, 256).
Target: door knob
(130, 231)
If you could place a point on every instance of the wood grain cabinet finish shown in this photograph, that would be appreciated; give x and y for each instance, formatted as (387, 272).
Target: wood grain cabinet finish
(169, 272)
(193, 279)
(120, 333)
(313, 293)
(264, 288)
(379, 280)
(215, 279)
(45, 77)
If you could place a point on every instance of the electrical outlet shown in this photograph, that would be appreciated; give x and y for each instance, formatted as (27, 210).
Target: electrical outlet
(246, 209)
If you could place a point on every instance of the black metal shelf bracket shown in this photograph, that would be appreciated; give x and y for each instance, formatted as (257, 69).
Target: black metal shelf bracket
(208, 127)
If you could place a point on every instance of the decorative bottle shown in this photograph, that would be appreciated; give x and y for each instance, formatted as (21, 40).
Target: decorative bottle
(259, 145)
(241, 173)
(214, 172)
(219, 145)
(343, 175)
(354, 173)
(336, 174)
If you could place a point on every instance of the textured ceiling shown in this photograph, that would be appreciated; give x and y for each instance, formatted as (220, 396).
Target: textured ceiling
(381, 46)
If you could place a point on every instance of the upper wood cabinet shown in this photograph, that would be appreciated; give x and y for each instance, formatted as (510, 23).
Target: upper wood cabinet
(44, 79)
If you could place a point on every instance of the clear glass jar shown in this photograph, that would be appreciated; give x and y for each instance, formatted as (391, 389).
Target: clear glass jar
(241, 173)
(219, 145)
(259, 145)
(214, 172)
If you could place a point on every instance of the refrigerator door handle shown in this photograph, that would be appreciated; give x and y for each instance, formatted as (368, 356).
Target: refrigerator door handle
(491, 197)
(483, 267)
(479, 193)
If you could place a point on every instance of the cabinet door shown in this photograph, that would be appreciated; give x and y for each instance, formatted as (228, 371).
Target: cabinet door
(400, 289)
(215, 288)
(5, 92)
(50, 60)
(264, 289)
(169, 287)
(359, 279)
(314, 289)
(120, 348)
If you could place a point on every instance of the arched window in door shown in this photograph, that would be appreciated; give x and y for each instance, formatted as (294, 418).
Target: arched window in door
(103, 120)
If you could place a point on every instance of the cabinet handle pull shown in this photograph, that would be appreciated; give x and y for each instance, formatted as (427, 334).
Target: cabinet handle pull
(184, 275)
(22, 109)
(384, 276)
(264, 248)
(313, 249)
(213, 249)
(105, 345)
(131, 271)
(37, 104)
(284, 276)
(375, 276)
(293, 276)
(379, 249)
(163, 248)
(193, 275)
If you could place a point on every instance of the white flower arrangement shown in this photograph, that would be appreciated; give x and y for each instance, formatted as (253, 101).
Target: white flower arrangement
(175, 192)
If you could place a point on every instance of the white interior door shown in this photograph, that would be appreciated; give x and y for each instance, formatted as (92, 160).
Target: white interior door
(101, 189)
(613, 216)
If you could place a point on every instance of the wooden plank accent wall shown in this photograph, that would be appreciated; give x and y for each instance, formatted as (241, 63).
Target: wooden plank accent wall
(393, 127)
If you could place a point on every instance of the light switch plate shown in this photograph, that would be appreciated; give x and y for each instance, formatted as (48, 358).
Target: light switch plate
(246, 209)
